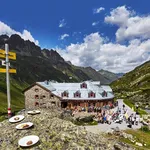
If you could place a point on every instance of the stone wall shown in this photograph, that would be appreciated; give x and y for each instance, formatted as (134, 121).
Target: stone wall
(39, 97)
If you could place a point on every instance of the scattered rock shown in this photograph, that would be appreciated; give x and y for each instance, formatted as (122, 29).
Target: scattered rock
(139, 144)
(127, 136)
(122, 146)
(117, 129)
(110, 131)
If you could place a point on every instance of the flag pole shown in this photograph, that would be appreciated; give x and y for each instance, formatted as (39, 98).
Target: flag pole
(7, 80)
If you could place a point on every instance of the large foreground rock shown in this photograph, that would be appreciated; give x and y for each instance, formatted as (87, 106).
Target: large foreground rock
(54, 134)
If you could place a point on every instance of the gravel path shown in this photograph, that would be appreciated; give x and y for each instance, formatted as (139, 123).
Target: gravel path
(105, 127)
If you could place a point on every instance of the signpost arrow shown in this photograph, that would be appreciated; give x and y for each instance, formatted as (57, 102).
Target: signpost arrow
(11, 55)
(2, 70)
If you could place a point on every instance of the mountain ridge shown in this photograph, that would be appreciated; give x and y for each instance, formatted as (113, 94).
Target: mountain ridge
(109, 75)
(40, 60)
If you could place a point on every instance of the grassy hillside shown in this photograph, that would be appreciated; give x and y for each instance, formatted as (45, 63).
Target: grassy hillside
(17, 98)
(135, 86)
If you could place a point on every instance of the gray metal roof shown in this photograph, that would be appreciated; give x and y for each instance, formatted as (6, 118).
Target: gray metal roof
(106, 88)
(58, 88)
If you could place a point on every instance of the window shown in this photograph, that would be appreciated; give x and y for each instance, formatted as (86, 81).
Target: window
(53, 103)
(91, 94)
(104, 94)
(83, 85)
(36, 96)
(52, 96)
(77, 94)
(36, 104)
(65, 94)
(44, 96)
(36, 90)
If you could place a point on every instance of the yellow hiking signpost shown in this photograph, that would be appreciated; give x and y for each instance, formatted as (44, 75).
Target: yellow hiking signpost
(11, 55)
(5, 54)
(2, 70)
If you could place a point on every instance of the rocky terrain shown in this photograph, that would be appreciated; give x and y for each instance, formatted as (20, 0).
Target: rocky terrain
(56, 134)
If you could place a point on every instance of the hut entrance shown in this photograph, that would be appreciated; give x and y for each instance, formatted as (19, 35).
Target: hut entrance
(64, 104)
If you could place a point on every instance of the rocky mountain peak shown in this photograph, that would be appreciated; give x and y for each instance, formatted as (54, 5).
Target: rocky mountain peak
(52, 55)
(20, 46)
(3, 39)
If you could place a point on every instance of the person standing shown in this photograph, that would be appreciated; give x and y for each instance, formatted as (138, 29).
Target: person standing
(123, 106)
(132, 119)
(137, 121)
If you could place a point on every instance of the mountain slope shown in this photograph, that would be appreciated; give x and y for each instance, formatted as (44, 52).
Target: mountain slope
(109, 75)
(94, 75)
(34, 64)
(135, 85)
(17, 97)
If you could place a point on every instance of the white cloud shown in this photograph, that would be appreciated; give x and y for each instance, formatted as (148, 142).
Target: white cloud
(95, 52)
(62, 37)
(26, 35)
(129, 24)
(62, 23)
(95, 23)
(98, 10)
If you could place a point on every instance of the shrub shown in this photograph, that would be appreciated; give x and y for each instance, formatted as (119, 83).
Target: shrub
(85, 119)
(93, 123)
(145, 129)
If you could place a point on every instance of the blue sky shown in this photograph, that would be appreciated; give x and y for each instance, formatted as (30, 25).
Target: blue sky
(73, 26)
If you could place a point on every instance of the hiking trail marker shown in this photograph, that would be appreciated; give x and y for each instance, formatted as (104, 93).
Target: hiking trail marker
(5, 54)
(11, 55)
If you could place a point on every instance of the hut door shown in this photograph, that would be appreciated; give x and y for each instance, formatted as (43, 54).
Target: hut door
(64, 104)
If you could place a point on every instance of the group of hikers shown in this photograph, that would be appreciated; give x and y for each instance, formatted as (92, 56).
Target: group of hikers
(91, 109)
(108, 115)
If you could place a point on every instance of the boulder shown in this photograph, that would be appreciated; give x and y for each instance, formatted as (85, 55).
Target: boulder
(139, 144)
(122, 146)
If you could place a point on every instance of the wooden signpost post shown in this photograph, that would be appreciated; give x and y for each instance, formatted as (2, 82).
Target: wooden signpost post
(5, 54)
